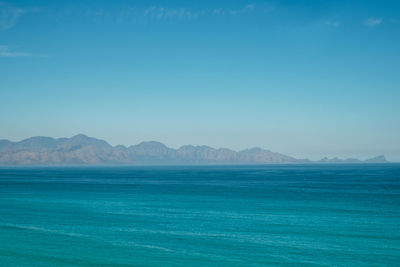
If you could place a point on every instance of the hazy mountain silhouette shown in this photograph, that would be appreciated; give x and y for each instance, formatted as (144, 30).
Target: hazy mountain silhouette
(84, 150)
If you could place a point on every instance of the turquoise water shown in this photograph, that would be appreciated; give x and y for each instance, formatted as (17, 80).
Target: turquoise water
(311, 215)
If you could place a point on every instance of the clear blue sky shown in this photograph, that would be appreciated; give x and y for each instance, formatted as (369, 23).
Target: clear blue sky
(304, 78)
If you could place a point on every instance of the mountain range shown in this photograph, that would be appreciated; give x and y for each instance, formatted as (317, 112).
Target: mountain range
(83, 150)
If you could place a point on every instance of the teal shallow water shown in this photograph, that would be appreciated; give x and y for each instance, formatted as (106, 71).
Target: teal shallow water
(321, 215)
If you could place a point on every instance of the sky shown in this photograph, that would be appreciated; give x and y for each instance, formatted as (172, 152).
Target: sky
(305, 78)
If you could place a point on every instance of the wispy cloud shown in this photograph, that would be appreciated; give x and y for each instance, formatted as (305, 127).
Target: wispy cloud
(159, 12)
(182, 13)
(333, 23)
(233, 12)
(372, 22)
(9, 15)
(6, 51)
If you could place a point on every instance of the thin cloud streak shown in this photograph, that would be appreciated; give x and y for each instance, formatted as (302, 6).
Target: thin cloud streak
(372, 22)
(5, 51)
(233, 12)
(159, 13)
(333, 23)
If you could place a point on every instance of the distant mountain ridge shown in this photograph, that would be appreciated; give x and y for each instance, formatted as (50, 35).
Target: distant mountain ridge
(83, 150)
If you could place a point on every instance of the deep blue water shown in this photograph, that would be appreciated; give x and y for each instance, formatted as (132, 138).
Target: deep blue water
(311, 215)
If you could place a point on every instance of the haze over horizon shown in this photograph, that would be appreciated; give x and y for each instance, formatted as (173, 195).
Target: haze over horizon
(301, 78)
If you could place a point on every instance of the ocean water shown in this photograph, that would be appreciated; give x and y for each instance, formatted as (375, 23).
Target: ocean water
(310, 215)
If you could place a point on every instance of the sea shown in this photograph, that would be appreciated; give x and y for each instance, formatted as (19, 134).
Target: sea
(275, 215)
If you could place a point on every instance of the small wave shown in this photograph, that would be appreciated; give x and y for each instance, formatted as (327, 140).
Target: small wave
(134, 244)
(40, 229)
(155, 247)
